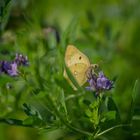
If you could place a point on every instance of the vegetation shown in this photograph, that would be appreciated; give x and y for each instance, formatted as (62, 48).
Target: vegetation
(37, 102)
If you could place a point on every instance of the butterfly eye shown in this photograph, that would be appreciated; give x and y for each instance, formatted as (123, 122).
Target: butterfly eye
(96, 66)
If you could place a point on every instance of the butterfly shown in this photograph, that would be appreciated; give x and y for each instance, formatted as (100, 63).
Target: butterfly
(78, 64)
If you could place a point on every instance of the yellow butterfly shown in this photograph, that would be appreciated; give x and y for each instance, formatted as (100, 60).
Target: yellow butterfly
(78, 64)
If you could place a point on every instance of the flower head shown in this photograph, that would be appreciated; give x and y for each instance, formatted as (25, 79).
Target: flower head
(103, 82)
(21, 60)
(9, 68)
(99, 83)
(13, 69)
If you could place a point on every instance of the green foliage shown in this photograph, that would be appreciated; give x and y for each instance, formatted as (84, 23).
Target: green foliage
(5, 6)
(41, 98)
(94, 114)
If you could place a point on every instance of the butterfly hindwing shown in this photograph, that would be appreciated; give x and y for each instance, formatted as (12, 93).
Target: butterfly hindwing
(79, 72)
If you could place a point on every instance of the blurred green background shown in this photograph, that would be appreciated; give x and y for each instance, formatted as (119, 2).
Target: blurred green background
(106, 31)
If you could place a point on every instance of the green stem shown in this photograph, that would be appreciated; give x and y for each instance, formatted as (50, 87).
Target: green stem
(74, 96)
(107, 130)
(15, 122)
(65, 122)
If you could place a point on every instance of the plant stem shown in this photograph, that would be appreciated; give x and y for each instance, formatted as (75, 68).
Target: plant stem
(107, 130)
(74, 96)
(65, 122)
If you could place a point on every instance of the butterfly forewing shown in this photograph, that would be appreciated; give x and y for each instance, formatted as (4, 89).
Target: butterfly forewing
(78, 64)
(74, 56)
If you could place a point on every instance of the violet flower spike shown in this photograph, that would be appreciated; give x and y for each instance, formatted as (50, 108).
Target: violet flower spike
(9, 68)
(103, 82)
(92, 83)
(99, 83)
(21, 60)
(13, 71)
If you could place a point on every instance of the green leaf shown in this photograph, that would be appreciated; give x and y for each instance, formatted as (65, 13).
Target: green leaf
(11, 121)
(69, 34)
(62, 101)
(88, 113)
(33, 121)
(111, 115)
(111, 105)
(94, 104)
(135, 93)
(71, 77)
(29, 111)
(93, 113)
(63, 84)
(4, 13)
(28, 121)
(95, 118)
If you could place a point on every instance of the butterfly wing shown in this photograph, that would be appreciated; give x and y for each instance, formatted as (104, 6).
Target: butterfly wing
(79, 72)
(74, 56)
(78, 64)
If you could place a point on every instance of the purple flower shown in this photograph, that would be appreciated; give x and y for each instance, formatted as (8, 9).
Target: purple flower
(99, 83)
(21, 60)
(9, 68)
(103, 82)
(13, 69)
(5, 66)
